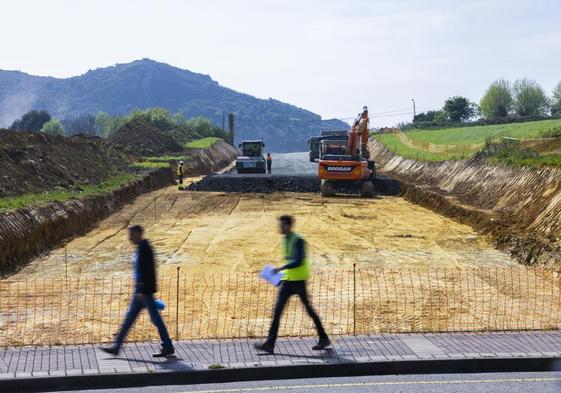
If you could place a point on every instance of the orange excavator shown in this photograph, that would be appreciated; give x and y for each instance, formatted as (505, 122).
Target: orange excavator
(344, 164)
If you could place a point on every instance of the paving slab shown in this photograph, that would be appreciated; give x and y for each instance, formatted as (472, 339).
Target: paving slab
(74, 366)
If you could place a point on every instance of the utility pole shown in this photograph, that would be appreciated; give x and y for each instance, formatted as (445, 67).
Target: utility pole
(414, 112)
(223, 122)
(231, 120)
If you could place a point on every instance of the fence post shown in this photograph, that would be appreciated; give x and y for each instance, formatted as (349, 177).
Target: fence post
(177, 304)
(354, 299)
(65, 262)
(154, 195)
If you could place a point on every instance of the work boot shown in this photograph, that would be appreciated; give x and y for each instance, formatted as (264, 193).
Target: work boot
(113, 350)
(265, 347)
(164, 353)
(322, 344)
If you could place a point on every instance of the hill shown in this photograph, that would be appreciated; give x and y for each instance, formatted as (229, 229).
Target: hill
(146, 83)
(452, 143)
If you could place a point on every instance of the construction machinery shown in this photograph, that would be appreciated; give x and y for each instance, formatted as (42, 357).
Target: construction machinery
(345, 164)
(315, 142)
(251, 160)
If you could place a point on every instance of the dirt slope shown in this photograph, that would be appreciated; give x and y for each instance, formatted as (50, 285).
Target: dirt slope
(26, 232)
(212, 159)
(520, 208)
(35, 162)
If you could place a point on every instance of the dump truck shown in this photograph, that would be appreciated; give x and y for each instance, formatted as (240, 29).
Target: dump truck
(251, 159)
(345, 164)
(314, 142)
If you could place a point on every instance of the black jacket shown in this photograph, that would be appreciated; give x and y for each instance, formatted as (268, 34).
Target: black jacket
(146, 280)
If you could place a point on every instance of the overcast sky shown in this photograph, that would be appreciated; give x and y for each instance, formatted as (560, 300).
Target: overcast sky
(328, 56)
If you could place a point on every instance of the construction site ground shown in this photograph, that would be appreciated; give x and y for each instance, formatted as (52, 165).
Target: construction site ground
(380, 264)
(214, 231)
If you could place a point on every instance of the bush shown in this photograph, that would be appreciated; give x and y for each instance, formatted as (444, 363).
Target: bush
(53, 127)
(553, 132)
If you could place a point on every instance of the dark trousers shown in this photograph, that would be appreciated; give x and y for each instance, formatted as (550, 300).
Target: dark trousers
(269, 165)
(135, 308)
(287, 289)
(180, 180)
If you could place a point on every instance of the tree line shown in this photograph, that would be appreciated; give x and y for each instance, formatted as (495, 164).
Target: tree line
(503, 102)
(104, 124)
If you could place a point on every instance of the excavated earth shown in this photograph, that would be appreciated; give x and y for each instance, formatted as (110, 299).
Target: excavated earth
(28, 231)
(237, 232)
(35, 162)
(220, 230)
(518, 208)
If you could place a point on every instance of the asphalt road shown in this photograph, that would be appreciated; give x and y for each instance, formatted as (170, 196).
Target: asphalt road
(446, 383)
(288, 164)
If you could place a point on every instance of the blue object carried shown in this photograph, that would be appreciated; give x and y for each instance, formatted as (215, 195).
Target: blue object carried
(160, 305)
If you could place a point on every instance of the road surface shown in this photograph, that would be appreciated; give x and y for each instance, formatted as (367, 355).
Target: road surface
(287, 164)
(445, 383)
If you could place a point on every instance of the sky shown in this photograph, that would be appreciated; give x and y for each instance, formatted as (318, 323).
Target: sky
(329, 56)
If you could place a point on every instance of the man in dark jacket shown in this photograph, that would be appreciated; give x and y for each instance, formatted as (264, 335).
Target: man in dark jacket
(144, 270)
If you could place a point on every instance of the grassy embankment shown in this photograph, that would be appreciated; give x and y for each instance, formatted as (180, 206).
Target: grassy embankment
(164, 161)
(61, 194)
(465, 141)
(202, 143)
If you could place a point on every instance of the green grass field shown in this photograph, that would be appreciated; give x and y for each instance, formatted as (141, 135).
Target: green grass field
(478, 134)
(202, 143)
(521, 161)
(393, 143)
(165, 158)
(61, 195)
(463, 136)
(151, 164)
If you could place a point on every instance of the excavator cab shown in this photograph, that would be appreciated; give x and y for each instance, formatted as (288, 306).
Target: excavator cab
(333, 149)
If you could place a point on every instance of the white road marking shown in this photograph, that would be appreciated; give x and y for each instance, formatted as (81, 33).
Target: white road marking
(366, 384)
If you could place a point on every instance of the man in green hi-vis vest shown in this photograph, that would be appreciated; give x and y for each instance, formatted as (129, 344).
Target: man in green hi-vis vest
(296, 272)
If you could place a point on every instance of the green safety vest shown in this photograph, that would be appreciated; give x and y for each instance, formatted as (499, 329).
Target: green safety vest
(180, 170)
(301, 272)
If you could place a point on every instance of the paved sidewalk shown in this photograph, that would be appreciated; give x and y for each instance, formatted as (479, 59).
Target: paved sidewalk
(38, 365)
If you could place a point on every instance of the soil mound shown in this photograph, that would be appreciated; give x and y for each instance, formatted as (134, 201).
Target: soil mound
(26, 232)
(35, 162)
(140, 138)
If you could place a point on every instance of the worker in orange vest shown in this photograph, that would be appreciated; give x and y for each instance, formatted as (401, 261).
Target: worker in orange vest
(269, 163)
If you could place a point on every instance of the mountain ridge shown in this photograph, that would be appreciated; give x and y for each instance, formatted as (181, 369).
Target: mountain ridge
(145, 83)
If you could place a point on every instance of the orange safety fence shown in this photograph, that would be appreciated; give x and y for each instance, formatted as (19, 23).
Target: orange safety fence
(459, 150)
(55, 311)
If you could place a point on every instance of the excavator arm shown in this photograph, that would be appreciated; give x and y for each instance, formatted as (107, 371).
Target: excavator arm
(358, 136)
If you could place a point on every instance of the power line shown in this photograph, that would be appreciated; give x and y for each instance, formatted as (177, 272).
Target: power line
(392, 111)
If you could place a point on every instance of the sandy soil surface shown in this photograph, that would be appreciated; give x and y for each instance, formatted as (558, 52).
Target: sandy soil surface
(202, 231)
(416, 271)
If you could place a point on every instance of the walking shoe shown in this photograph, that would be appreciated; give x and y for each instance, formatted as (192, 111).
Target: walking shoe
(322, 344)
(110, 350)
(164, 352)
(265, 347)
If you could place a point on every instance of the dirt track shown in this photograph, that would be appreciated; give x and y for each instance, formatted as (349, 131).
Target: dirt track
(203, 231)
